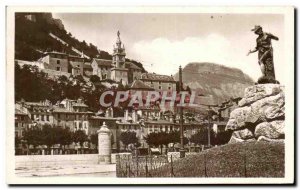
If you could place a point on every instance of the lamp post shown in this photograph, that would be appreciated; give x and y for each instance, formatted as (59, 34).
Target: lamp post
(181, 150)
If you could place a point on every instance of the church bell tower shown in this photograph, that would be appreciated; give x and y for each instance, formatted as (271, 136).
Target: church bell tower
(119, 72)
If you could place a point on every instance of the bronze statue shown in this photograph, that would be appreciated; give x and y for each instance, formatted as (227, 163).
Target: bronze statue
(265, 55)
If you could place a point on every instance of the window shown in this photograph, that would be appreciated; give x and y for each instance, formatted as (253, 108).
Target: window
(42, 117)
(67, 116)
(32, 116)
(135, 127)
(58, 62)
(16, 124)
(58, 68)
(169, 87)
(47, 118)
(160, 128)
(58, 116)
(159, 87)
(171, 128)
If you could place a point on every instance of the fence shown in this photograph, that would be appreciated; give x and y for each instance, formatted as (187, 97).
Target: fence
(142, 166)
(200, 165)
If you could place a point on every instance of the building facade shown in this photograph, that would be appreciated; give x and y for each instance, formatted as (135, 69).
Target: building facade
(159, 82)
(116, 69)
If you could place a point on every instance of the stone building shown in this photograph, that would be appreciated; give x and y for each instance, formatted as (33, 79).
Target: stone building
(159, 82)
(55, 61)
(76, 65)
(63, 62)
(116, 69)
(72, 114)
(102, 68)
(87, 69)
(22, 122)
(39, 112)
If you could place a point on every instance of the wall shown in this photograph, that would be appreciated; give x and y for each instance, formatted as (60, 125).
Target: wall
(63, 63)
(58, 160)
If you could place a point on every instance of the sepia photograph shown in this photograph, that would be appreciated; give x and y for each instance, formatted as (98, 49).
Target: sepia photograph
(157, 95)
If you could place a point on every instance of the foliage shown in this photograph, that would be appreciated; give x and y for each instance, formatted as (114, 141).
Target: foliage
(33, 136)
(201, 137)
(32, 38)
(80, 137)
(65, 137)
(94, 139)
(17, 141)
(128, 137)
(94, 79)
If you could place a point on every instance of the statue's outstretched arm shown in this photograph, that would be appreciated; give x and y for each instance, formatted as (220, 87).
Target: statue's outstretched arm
(252, 51)
(272, 36)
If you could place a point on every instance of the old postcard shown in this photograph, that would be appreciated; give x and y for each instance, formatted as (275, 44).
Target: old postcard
(168, 95)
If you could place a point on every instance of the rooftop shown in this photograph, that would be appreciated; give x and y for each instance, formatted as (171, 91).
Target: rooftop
(157, 77)
(139, 85)
(103, 62)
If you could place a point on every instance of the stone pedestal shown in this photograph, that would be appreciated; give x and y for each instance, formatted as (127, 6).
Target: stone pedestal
(104, 145)
(261, 113)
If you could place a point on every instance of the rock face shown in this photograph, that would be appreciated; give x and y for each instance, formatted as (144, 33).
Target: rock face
(260, 114)
(221, 82)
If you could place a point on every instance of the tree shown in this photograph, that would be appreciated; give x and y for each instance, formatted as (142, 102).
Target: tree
(222, 137)
(17, 141)
(152, 139)
(94, 139)
(65, 137)
(128, 137)
(49, 135)
(33, 136)
(79, 137)
(94, 79)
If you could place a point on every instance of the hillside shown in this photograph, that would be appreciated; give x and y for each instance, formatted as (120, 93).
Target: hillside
(219, 81)
(34, 35)
(252, 159)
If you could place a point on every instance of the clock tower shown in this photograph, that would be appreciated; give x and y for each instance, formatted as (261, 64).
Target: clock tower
(119, 72)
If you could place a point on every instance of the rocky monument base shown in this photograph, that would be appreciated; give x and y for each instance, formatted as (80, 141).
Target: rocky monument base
(267, 80)
(260, 115)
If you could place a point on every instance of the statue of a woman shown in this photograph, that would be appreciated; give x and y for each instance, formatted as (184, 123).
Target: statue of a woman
(265, 55)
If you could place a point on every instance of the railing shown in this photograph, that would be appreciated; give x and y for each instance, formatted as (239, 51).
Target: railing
(200, 165)
(142, 166)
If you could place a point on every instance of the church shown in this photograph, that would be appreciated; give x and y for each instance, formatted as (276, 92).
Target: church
(116, 69)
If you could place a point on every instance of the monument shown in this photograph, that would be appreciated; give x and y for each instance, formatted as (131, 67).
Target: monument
(261, 112)
(104, 145)
(265, 55)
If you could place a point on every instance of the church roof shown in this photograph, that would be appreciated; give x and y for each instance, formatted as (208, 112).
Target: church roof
(133, 66)
(103, 62)
(157, 77)
(139, 85)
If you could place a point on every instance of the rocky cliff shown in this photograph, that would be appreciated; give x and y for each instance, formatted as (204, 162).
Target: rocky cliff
(260, 115)
(218, 81)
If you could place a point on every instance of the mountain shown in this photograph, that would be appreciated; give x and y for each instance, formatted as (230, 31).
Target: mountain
(36, 33)
(216, 82)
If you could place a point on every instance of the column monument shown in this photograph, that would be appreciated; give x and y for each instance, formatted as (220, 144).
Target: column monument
(104, 145)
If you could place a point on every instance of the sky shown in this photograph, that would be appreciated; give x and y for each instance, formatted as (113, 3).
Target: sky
(162, 42)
